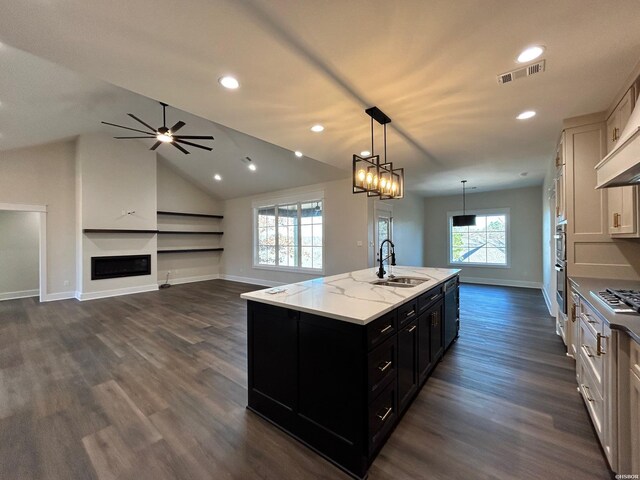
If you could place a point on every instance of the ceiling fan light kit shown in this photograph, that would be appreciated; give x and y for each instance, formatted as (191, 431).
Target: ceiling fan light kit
(165, 135)
(464, 220)
(369, 174)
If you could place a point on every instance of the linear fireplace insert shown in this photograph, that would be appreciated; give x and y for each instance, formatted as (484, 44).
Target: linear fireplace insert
(120, 266)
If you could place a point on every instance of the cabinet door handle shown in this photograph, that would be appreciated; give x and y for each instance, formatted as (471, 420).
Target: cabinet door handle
(386, 329)
(599, 350)
(386, 365)
(386, 414)
(434, 297)
(412, 329)
(615, 134)
(587, 351)
(585, 389)
(409, 313)
(573, 312)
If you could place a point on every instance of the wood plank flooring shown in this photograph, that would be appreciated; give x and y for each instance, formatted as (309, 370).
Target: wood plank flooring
(153, 386)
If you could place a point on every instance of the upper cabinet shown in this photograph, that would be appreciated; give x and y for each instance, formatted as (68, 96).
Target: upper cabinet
(622, 201)
(561, 204)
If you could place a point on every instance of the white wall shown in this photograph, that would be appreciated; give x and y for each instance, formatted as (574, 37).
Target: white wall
(115, 177)
(176, 194)
(19, 254)
(409, 229)
(44, 175)
(525, 239)
(548, 242)
(345, 223)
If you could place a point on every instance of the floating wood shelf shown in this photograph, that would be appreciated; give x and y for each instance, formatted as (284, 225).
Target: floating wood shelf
(187, 250)
(114, 230)
(184, 214)
(189, 232)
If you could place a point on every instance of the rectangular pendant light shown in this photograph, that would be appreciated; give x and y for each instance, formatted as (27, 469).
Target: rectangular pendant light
(464, 220)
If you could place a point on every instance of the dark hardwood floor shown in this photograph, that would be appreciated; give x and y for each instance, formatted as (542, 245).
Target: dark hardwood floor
(153, 386)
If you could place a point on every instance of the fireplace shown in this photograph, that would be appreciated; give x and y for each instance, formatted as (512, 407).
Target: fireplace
(120, 266)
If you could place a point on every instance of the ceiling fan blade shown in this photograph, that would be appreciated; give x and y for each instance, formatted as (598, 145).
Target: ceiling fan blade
(195, 137)
(192, 144)
(177, 127)
(140, 121)
(156, 145)
(150, 136)
(127, 128)
(186, 152)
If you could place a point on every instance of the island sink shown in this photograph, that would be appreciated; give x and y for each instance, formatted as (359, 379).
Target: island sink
(403, 282)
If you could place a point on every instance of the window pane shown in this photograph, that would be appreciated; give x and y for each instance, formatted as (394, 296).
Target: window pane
(317, 257)
(496, 255)
(496, 223)
(477, 239)
(496, 239)
(307, 235)
(307, 257)
(479, 256)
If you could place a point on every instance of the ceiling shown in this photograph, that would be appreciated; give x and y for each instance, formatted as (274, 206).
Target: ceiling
(430, 65)
(43, 102)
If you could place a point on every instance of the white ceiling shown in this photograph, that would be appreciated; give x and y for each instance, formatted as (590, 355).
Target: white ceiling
(430, 65)
(43, 102)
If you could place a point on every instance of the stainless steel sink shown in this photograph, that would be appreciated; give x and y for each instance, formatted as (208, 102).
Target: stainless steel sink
(402, 282)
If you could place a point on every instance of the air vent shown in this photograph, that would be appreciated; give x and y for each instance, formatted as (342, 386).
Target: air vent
(532, 69)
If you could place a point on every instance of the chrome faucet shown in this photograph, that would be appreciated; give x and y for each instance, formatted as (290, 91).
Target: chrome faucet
(381, 270)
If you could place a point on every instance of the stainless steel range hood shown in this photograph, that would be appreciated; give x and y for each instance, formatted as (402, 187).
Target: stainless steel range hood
(622, 165)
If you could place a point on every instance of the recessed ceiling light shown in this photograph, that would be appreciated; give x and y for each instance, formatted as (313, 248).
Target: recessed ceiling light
(530, 53)
(317, 128)
(526, 114)
(229, 82)
(217, 177)
(365, 153)
(252, 167)
(298, 154)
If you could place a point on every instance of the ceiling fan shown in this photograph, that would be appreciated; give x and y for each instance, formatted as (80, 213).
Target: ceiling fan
(165, 135)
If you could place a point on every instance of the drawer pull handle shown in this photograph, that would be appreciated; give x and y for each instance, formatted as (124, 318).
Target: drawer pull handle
(386, 414)
(587, 351)
(412, 329)
(385, 366)
(599, 350)
(585, 389)
(386, 329)
(434, 297)
(409, 313)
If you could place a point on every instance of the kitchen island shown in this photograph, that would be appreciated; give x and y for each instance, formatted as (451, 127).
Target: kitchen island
(336, 361)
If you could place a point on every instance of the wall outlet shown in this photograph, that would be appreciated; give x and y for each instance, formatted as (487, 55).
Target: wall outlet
(66, 283)
(359, 243)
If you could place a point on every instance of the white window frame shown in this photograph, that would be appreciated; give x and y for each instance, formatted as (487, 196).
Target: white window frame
(492, 211)
(316, 196)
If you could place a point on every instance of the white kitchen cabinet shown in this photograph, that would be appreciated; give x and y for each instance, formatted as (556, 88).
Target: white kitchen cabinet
(561, 210)
(622, 201)
(634, 404)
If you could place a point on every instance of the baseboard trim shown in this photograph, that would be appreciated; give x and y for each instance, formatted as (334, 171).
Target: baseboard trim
(252, 281)
(116, 292)
(547, 300)
(502, 283)
(20, 294)
(200, 278)
(54, 297)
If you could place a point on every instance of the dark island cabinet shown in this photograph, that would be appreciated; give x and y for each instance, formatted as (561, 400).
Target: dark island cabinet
(339, 387)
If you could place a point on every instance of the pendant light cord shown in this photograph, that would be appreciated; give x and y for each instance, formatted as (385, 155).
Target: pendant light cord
(385, 143)
(372, 151)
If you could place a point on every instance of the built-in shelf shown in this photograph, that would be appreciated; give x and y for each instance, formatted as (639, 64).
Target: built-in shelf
(187, 250)
(189, 232)
(185, 214)
(114, 230)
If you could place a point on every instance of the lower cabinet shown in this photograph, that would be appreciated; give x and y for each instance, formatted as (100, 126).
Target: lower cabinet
(635, 422)
(337, 386)
(407, 364)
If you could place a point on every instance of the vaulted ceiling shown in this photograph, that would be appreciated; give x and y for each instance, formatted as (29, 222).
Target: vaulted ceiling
(430, 65)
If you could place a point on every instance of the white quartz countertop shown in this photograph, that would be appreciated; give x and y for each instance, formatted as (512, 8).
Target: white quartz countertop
(351, 297)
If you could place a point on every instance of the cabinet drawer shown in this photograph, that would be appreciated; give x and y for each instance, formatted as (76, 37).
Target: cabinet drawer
(383, 414)
(593, 400)
(381, 329)
(407, 312)
(382, 367)
(634, 361)
(429, 298)
(590, 356)
(591, 318)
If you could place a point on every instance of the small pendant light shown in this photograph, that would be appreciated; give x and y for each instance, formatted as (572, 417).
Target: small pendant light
(464, 220)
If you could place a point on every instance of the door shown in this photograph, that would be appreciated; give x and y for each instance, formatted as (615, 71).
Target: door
(383, 231)
(407, 364)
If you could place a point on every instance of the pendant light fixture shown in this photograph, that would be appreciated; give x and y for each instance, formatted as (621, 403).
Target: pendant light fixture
(369, 174)
(464, 220)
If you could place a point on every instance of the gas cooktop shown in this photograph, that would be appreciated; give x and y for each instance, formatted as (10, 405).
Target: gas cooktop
(620, 301)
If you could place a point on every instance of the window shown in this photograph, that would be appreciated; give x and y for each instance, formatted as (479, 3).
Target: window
(485, 244)
(289, 235)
